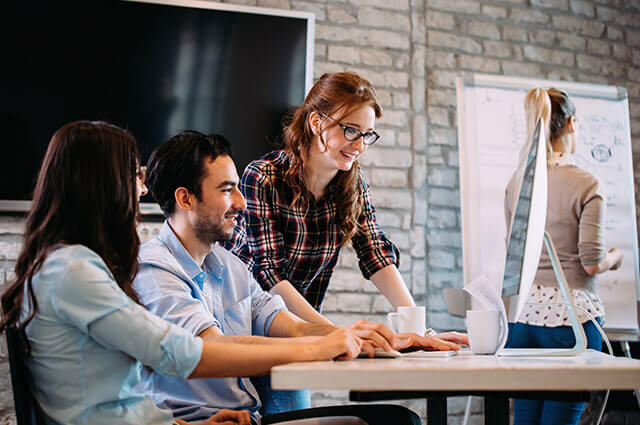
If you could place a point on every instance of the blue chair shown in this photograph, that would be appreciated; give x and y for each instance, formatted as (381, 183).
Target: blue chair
(27, 411)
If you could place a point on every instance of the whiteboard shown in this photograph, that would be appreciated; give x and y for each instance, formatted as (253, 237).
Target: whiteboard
(491, 132)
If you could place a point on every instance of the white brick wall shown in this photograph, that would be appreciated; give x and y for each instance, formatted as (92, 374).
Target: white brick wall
(412, 51)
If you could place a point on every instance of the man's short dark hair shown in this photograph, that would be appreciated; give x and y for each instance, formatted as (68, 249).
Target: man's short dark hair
(180, 162)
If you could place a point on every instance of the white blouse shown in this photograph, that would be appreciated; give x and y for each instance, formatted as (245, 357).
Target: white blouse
(540, 309)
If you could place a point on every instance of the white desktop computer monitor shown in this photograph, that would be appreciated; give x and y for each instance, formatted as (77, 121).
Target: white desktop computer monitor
(528, 218)
(524, 243)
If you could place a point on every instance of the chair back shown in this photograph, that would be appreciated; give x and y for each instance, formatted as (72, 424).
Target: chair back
(27, 412)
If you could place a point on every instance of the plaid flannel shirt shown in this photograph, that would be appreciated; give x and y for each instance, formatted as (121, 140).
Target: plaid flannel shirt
(300, 243)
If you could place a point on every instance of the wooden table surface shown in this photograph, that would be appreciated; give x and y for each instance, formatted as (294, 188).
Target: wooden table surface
(590, 370)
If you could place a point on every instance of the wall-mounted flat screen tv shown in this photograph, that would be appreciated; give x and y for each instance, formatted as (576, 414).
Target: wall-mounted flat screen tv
(153, 67)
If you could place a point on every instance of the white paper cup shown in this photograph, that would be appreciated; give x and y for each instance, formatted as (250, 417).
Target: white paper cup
(408, 320)
(483, 329)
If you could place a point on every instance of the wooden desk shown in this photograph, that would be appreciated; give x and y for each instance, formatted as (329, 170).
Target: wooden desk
(496, 378)
(624, 338)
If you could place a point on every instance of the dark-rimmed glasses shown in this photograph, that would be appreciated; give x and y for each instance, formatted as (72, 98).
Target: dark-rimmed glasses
(352, 134)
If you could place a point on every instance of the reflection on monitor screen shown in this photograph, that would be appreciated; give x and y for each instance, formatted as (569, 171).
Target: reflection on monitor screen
(517, 240)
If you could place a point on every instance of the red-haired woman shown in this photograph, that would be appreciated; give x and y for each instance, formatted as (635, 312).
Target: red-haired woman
(309, 200)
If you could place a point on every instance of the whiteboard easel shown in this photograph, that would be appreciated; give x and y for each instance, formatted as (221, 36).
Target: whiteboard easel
(491, 130)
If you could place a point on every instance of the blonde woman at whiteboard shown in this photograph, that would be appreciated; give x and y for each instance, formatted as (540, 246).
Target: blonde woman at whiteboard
(576, 223)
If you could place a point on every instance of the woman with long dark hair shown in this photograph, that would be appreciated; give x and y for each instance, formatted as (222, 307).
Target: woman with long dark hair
(85, 336)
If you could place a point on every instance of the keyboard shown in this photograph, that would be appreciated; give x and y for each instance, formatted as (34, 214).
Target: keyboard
(420, 354)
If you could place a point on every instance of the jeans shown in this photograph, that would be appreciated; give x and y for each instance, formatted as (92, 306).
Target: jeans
(277, 401)
(547, 412)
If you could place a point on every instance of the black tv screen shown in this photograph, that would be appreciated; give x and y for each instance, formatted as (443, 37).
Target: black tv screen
(153, 69)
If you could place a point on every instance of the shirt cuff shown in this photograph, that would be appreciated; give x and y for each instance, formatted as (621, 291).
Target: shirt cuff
(268, 313)
(182, 352)
(370, 269)
(199, 322)
(591, 254)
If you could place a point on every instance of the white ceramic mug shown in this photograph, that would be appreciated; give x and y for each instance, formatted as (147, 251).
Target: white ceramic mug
(409, 319)
(483, 329)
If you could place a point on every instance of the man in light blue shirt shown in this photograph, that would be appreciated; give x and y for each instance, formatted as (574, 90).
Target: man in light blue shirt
(190, 281)
(218, 296)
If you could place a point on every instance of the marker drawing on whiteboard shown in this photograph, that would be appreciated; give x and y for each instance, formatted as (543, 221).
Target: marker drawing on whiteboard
(489, 97)
(601, 153)
(608, 285)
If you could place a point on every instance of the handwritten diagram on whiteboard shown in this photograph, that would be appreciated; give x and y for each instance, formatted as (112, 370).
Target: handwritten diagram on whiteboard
(492, 132)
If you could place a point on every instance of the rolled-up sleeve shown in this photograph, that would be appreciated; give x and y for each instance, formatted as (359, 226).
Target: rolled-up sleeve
(265, 240)
(591, 230)
(168, 296)
(89, 299)
(264, 308)
(154, 342)
(374, 250)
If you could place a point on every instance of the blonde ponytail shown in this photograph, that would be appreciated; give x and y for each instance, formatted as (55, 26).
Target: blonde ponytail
(537, 104)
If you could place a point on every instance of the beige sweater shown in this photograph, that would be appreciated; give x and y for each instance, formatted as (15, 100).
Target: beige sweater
(575, 221)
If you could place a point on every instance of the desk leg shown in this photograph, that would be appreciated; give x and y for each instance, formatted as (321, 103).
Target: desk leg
(437, 411)
(627, 352)
(496, 410)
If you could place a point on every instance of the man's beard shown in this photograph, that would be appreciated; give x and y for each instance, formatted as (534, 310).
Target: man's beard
(209, 232)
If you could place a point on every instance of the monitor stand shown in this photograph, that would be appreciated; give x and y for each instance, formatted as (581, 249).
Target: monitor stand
(578, 331)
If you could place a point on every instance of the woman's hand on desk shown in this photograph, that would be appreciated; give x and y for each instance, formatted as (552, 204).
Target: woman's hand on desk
(455, 337)
(378, 335)
(442, 342)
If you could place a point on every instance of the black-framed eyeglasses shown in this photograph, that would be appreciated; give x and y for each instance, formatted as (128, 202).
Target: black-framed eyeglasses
(352, 134)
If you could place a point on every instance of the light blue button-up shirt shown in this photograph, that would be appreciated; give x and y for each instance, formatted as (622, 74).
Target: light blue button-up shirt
(85, 338)
(222, 293)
